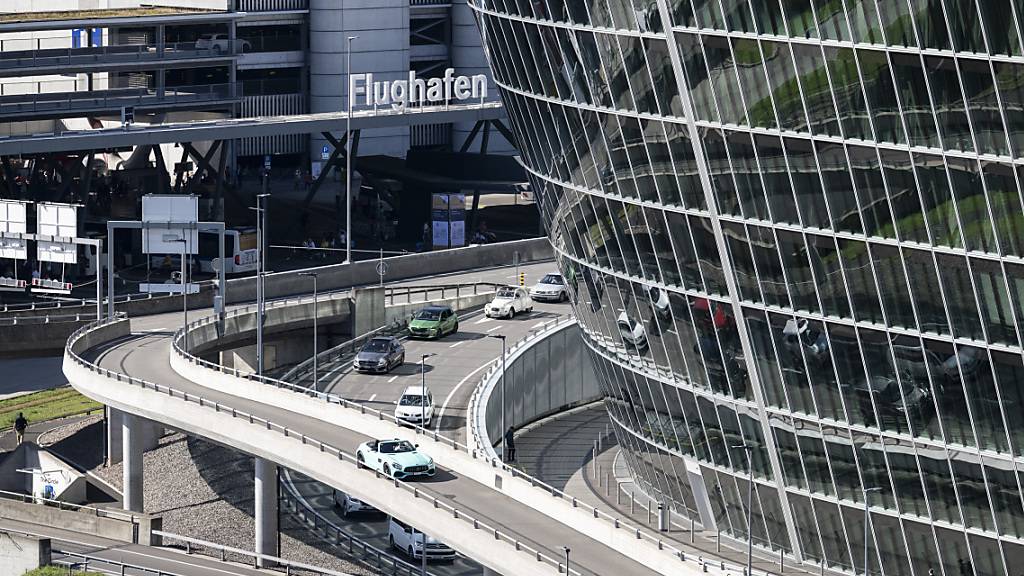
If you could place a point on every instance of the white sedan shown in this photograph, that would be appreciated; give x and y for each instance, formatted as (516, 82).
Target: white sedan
(508, 302)
(551, 287)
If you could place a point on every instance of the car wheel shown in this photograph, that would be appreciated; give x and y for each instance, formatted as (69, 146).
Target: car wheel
(391, 541)
(411, 553)
(455, 328)
(387, 469)
(562, 297)
(359, 460)
(511, 312)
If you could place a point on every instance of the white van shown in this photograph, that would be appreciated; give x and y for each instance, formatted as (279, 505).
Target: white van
(403, 537)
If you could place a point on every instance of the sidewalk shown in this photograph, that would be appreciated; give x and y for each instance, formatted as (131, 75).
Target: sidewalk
(557, 451)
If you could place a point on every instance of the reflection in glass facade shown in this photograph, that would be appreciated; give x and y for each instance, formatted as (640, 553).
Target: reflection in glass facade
(795, 225)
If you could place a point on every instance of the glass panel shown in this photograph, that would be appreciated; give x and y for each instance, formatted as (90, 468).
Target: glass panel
(814, 83)
(1010, 82)
(881, 94)
(949, 103)
(986, 120)
(913, 93)
(853, 111)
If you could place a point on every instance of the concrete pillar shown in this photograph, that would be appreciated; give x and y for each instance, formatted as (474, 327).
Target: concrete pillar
(367, 310)
(131, 461)
(266, 509)
(147, 435)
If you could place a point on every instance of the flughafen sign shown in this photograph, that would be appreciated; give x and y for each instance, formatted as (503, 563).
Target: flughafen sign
(414, 90)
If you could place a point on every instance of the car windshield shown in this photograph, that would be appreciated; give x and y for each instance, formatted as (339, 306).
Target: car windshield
(376, 345)
(429, 315)
(507, 293)
(551, 279)
(410, 400)
(395, 447)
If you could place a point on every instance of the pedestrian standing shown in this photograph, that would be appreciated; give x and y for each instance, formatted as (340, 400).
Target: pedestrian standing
(20, 424)
(510, 445)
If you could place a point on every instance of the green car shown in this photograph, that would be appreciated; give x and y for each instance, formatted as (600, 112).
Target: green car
(434, 322)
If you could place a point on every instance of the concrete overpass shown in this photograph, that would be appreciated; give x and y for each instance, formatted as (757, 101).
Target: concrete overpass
(489, 514)
(232, 128)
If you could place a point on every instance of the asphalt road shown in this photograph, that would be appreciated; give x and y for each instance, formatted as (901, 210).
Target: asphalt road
(146, 356)
(451, 375)
(152, 560)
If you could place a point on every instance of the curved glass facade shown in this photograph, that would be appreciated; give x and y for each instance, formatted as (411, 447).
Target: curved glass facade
(794, 236)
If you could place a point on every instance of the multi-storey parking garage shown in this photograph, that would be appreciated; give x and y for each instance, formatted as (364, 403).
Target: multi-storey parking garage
(794, 236)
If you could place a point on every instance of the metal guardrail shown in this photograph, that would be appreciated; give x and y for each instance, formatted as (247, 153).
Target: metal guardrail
(110, 513)
(197, 546)
(475, 452)
(342, 456)
(73, 303)
(122, 567)
(357, 549)
(35, 320)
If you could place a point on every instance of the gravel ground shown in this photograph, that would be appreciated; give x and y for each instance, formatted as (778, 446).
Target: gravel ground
(65, 431)
(205, 491)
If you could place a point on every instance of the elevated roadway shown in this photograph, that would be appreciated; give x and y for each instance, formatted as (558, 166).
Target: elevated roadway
(488, 513)
(232, 128)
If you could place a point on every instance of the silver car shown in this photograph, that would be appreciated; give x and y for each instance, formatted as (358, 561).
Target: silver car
(380, 354)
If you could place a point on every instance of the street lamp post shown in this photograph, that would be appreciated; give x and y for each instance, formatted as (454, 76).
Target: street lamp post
(867, 523)
(423, 396)
(316, 313)
(504, 448)
(260, 288)
(184, 288)
(750, 509)
(566, 550)
(348, 157)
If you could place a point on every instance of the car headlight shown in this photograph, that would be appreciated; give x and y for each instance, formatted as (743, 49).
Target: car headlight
(380, 362)
(398, 466)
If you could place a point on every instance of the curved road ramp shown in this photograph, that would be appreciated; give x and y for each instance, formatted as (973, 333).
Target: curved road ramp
(501, 519)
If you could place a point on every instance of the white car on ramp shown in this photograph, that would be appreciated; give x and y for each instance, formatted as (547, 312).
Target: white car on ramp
(395, 458)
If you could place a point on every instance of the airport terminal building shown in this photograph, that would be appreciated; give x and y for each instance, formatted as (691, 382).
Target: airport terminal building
(796, 239)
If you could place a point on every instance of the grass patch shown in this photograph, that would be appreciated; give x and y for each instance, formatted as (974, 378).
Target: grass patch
(57, 571)
(45, 405)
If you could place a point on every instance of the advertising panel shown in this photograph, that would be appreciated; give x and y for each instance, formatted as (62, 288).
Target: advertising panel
(457, 219)
(439, 216)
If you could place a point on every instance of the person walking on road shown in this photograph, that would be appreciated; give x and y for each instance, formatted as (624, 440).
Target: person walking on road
(20, 424)
(510, 445)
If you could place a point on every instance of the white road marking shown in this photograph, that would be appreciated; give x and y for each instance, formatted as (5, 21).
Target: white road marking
(440, 415)
(537, 325)
(153, 330)
(494, 328)
(372, 398)
(390, 380)
(484, 319)
(457, 343)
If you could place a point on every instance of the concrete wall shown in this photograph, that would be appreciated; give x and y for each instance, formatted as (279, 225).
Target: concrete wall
(117, 526)
(550, 375)
(19, 554)
(18, 339)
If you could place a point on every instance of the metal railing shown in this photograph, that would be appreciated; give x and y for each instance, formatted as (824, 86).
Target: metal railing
(476, 452)
(85, 559)
(202, 547)
(118, 97)
(342, 456)
(110, 513)
(106, 55)
(35, 320)
(357, 549)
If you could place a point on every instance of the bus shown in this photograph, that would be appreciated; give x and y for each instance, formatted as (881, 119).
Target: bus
(240, 250)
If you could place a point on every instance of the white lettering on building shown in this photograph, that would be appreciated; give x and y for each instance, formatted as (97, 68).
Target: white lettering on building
(414, 90)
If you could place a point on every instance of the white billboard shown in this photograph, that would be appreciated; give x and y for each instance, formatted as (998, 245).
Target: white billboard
(13, 220)
(61, 221)
(181, 212)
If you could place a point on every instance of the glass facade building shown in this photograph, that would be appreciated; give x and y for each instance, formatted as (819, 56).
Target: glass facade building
(794, 237)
